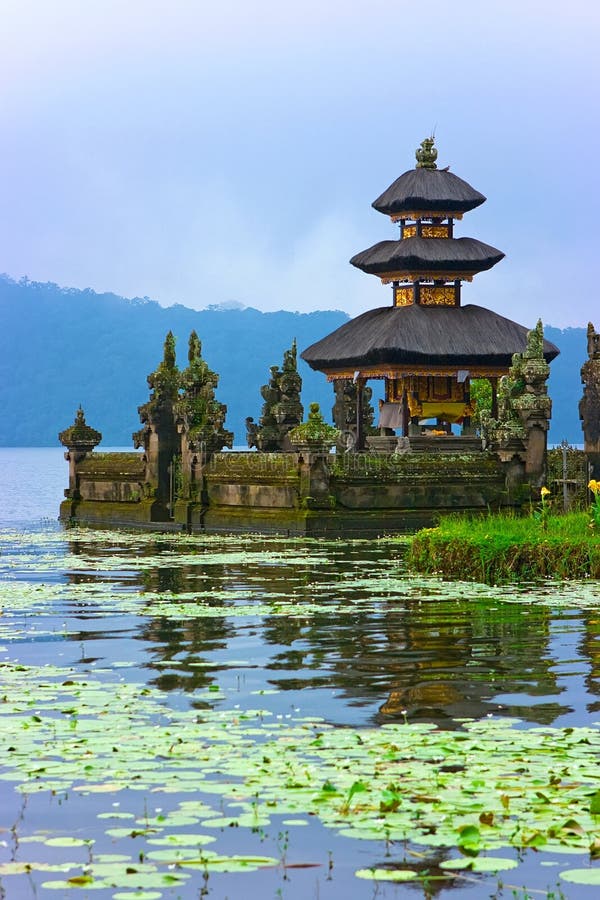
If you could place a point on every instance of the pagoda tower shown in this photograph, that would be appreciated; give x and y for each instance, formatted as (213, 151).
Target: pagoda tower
(426, 345)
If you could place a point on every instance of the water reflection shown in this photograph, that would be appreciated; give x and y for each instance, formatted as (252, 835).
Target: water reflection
(398, 653)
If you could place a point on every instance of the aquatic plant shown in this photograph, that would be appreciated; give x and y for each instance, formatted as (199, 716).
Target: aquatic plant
(500, 548)
(542, 510)
(151, 789)
(487, 786)
(594, 487)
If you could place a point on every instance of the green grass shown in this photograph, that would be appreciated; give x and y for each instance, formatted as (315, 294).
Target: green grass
(501, 548)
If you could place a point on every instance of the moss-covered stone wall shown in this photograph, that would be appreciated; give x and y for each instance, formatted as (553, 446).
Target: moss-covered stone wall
(364, 494)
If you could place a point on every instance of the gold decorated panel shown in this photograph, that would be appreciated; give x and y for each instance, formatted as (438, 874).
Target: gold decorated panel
(409, 231)
(435, 231)
(437, 295)
(404, 296)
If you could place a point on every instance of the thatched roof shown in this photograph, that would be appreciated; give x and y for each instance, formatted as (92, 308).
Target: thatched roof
(464, 336)
(431, 190)
(417, 254)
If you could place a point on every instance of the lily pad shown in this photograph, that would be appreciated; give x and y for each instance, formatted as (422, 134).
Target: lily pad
(386, 874)
(582, 876)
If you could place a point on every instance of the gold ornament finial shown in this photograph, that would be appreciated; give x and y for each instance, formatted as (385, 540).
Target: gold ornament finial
(426, 154)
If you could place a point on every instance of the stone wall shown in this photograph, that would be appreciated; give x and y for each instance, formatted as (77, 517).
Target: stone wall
(310, 492)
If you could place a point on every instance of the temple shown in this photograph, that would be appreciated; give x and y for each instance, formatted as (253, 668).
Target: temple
(426, 346)
(441, 443)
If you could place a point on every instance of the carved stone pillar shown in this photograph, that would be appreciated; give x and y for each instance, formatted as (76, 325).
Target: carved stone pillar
(349, 409)
(159, 437)
(589, 405)
(79, 439)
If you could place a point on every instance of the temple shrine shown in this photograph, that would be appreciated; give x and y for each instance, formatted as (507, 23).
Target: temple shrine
(425, 456)
(426, 346)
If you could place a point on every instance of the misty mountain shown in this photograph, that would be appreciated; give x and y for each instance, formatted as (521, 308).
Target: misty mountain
(60, 347)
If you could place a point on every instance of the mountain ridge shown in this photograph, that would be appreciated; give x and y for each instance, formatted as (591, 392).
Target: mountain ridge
(60, 347)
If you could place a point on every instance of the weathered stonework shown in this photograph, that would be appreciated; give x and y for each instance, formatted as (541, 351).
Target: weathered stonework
(282, 409)
(589, 405)
(353, 423)
(80, 440)
(181, 480)
(519, 435)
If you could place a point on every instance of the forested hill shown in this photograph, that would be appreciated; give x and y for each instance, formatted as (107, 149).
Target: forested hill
(62, 347)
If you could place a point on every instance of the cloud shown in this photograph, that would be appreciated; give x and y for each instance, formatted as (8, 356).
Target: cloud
(199, 153)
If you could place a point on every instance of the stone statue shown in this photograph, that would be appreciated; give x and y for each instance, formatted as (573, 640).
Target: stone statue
(426, 154)
(524, 410)
(282, 409)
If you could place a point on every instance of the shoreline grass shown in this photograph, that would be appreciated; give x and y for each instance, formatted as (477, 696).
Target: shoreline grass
(501, 548)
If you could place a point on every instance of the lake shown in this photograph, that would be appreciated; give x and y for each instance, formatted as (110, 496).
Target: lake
(249, 717)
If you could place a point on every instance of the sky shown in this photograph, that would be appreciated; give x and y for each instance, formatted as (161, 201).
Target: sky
(203, 153)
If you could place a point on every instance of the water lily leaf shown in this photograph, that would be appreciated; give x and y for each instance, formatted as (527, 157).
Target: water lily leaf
(231, 863)
(469, 836)
(67, 842)
(386, 874)
(480, 864)
(460, 863)
(582, 876)
(175, 855)
(182, 840)
(16, 868)
(115, 815)
(145, 880)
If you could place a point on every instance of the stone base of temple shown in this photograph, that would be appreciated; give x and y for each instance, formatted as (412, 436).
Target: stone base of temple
(316, 494)
(330, 524)
(146, 514)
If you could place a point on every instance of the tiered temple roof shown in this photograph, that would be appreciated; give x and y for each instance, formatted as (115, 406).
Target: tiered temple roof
(426, 328)
(428, 190)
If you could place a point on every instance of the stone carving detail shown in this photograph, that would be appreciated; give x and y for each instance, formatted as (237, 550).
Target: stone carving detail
(164, 391)
(80, 436)
(282, 409)
(79, 439)
(426, 155)
(181, 416)
(344, 412)
(589, 405)
(524, 410)
(200, 416)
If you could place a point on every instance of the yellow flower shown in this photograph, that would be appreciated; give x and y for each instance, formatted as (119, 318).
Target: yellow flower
(594, 486)
(544, 492)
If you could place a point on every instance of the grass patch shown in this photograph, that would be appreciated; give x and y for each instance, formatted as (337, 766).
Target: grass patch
(501, 548)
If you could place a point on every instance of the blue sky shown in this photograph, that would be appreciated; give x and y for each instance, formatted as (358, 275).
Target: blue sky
(201, 155)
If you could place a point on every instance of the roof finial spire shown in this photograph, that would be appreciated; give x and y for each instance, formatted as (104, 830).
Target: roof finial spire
(426, 154)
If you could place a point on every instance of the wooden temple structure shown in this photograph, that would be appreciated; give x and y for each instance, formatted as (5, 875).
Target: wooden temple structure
(426, 346)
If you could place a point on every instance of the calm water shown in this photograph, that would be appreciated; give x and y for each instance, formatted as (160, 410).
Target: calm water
(301, 629)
